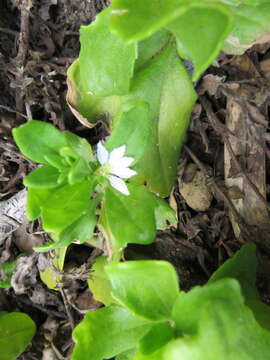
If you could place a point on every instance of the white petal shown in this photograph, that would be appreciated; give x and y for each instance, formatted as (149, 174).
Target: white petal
(119, 185)
(117, 154)
(102, 153)
(122, 172)
(125, 161)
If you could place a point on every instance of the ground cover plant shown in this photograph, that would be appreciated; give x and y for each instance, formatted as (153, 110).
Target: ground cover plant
(131, 77)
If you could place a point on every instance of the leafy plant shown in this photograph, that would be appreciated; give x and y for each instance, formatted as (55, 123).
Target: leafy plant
(17, 330)
(75, 190)
(152, 320)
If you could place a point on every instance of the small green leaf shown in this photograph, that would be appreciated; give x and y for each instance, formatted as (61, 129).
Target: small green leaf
(80, 146)
(147, 288)
(131, 129)
(43, 177)
(78, 171)
(36, 198)
(99, 283)
(105, 75)
(107, 332)
(17, 330)
(128, 219)
(136, 20)
(66, 205)
(164, 214)
(201, 32)
(243, 267)
(50, 276)
(38, 139)
(6, 271)
(158, 336)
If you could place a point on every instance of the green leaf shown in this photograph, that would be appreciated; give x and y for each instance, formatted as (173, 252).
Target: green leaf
(147, 288)
(136, 20)
(165, 85)
(243, 266)
(88, 105)
(43, 177)
(133, 130)
(201, 32)
(188, 306)
(227, 330)
(107, 332)
(78, 171)
(105, 75)
(99, 283)
(36, 198)
(17, 330)
(66, 205)
(6, 271)
(164, 214)
(158, 336)
(127, 355)
(80, 146)
(252, 24)
(128, 219)
(38, 139)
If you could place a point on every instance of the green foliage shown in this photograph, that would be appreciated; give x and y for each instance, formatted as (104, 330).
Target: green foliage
(209, 322)
(6, 270)
(16, 332)
(67, 197)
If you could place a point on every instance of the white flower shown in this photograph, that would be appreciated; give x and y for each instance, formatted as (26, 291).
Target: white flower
(116, 166)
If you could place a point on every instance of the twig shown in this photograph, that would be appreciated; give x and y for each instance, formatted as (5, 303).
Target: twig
(221, 130)
(72, 322)
(7, 108)
(22, 54)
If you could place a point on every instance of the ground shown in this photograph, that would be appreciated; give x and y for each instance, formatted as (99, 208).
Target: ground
(223, 178)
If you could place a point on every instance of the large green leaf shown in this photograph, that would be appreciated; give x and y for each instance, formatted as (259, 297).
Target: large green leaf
(243, 266)
(66, 205)
(165, 85)
(105, 74)
(133, 125)
(16, 332)
(227, 330)
(157, 337)
(107, 332)
(128, 219)
(136, 20)
(200, 33)
(36, 198)
(147, 288)
(252, 24)
(38, 139)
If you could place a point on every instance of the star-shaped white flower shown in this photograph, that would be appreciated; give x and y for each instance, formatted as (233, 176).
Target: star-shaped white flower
(116, 166)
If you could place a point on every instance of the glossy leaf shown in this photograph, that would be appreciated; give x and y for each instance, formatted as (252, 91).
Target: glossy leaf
(138, 20)
(243, 267)
(17, 330)
(127, 355)
(128, 219)
(200, 33)
(107, 332)
(66, 205)
(133, 125)
(165, 85)
(43, 177)
(164, 214)
(147, 288)
(36, 139)
(36, 198)
(157, 337)
(105, 75)
(99, 283)
(227, 330)
(80, 146)
(252, 24)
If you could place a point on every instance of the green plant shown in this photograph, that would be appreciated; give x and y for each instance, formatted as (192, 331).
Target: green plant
(75, 189)
(17, 330)
(150, 319)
